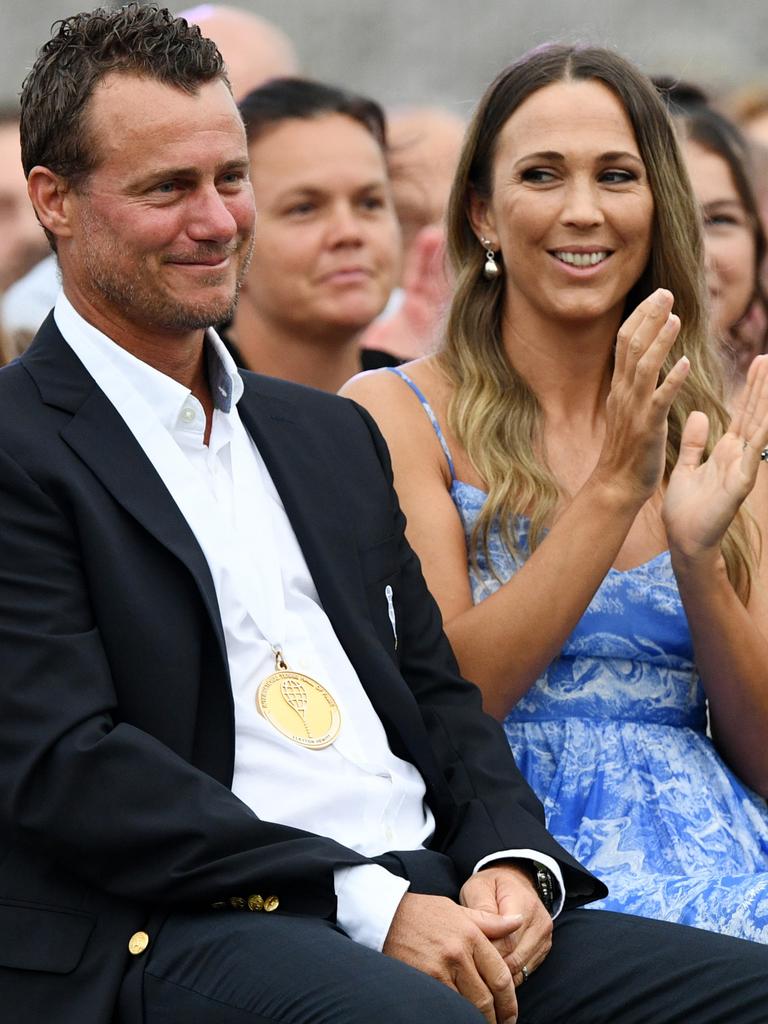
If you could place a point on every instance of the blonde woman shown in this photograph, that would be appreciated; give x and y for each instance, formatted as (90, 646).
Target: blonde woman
(577, 500)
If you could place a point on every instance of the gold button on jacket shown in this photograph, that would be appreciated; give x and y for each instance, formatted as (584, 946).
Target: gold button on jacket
(256, 902)
(271, 903)
(138, 942)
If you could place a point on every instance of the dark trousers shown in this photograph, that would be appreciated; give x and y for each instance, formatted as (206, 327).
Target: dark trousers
(604, 968)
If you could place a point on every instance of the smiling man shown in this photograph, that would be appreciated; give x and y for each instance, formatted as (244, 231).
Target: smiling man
(240, 776)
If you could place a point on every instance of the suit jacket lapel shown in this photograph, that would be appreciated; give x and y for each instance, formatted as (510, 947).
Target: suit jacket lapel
(102, 440)
(297, 464)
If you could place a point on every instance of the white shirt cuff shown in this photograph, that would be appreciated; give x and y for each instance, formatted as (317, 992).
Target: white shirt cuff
(542, 858)
(367, 897)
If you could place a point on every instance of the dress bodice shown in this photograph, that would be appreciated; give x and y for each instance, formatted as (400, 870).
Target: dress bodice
(630, 655)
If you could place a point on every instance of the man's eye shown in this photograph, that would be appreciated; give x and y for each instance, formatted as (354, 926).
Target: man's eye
(166, 187)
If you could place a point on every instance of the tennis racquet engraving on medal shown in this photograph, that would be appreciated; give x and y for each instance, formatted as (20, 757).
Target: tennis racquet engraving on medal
(299, 707)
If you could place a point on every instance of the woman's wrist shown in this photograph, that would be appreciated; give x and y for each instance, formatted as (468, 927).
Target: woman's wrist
(613, 496)
(691, 565)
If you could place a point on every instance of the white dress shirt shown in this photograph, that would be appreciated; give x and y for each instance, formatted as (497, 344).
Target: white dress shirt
(356, 790)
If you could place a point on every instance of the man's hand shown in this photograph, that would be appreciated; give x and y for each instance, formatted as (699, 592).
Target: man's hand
(509, 890)
(455, 945)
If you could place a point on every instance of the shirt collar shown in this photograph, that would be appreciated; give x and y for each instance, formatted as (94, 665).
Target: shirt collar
(165, 395)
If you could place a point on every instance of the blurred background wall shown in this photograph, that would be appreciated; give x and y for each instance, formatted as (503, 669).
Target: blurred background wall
(407, 51)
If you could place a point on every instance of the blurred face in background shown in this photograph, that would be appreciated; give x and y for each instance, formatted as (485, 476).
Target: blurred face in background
(327, 243)
(729, 240)
(22, 242)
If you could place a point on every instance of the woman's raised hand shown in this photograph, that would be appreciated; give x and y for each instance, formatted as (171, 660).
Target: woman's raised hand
(703, 497)
(633, 452)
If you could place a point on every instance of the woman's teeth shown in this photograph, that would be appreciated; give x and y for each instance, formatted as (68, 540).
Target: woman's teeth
(582, 259)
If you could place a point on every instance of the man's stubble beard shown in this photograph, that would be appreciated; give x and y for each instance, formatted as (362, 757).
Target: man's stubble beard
(137, 299)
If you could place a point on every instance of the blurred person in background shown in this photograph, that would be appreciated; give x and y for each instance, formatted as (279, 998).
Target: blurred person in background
(22, 242)
(749, 109)
(254, 50)
(719, 164)
(424, 147)
(575, 491)
(327, 243)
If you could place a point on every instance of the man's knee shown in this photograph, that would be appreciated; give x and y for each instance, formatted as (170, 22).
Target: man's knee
(214, 970)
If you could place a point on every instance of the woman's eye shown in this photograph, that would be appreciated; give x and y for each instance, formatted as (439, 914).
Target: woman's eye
(301, 209)
(538, 174)
(616, 177)
(715, 220)
(372, 203)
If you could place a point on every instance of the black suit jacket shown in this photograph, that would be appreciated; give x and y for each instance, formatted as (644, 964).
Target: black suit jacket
(116, 714)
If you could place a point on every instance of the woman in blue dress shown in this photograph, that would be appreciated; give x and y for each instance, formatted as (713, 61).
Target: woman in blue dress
(583, 506)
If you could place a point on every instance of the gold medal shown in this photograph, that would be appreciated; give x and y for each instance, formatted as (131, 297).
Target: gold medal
(298, 707)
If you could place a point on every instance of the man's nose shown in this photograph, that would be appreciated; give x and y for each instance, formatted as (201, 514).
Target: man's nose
(210, 218)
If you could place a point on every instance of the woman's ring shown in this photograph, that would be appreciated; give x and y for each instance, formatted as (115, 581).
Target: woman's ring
(764, 455)
(525, 972)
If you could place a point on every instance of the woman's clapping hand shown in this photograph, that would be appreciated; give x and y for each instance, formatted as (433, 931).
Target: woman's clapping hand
(703, 496)
(633, 452)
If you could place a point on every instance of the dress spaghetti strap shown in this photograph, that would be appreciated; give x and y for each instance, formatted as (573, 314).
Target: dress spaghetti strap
(430, 413)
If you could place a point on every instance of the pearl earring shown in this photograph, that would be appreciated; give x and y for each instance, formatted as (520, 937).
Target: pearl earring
(491, 269)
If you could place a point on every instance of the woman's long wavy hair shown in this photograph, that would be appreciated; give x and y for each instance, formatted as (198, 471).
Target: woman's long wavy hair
(493, 412)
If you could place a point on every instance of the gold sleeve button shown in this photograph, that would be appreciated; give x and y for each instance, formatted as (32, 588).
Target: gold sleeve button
(256, 902)
(137, 943)
(237, 902)
(271, 903)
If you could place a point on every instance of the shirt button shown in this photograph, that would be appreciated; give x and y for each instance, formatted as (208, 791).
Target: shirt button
(389, 834)
(137, 943)
(188, 415)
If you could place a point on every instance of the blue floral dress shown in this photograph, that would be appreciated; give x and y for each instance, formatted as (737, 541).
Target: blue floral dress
(613, 740)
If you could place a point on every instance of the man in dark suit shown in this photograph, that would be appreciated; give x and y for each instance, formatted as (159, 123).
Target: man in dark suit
(237, 763)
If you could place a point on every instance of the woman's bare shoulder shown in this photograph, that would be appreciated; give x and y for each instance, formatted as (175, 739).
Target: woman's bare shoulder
(382, 391)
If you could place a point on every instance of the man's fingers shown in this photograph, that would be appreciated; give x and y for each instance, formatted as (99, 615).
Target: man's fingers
(494, 925)
(492, 982)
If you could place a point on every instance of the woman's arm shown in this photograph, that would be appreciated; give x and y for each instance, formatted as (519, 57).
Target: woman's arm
(729, 639)
(505, 642)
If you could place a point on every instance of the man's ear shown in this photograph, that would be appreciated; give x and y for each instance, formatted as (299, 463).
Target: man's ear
(49, 194)
(481, 218)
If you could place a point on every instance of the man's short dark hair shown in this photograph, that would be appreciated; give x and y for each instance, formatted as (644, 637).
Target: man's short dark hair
(283, 99)
(140, 40)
